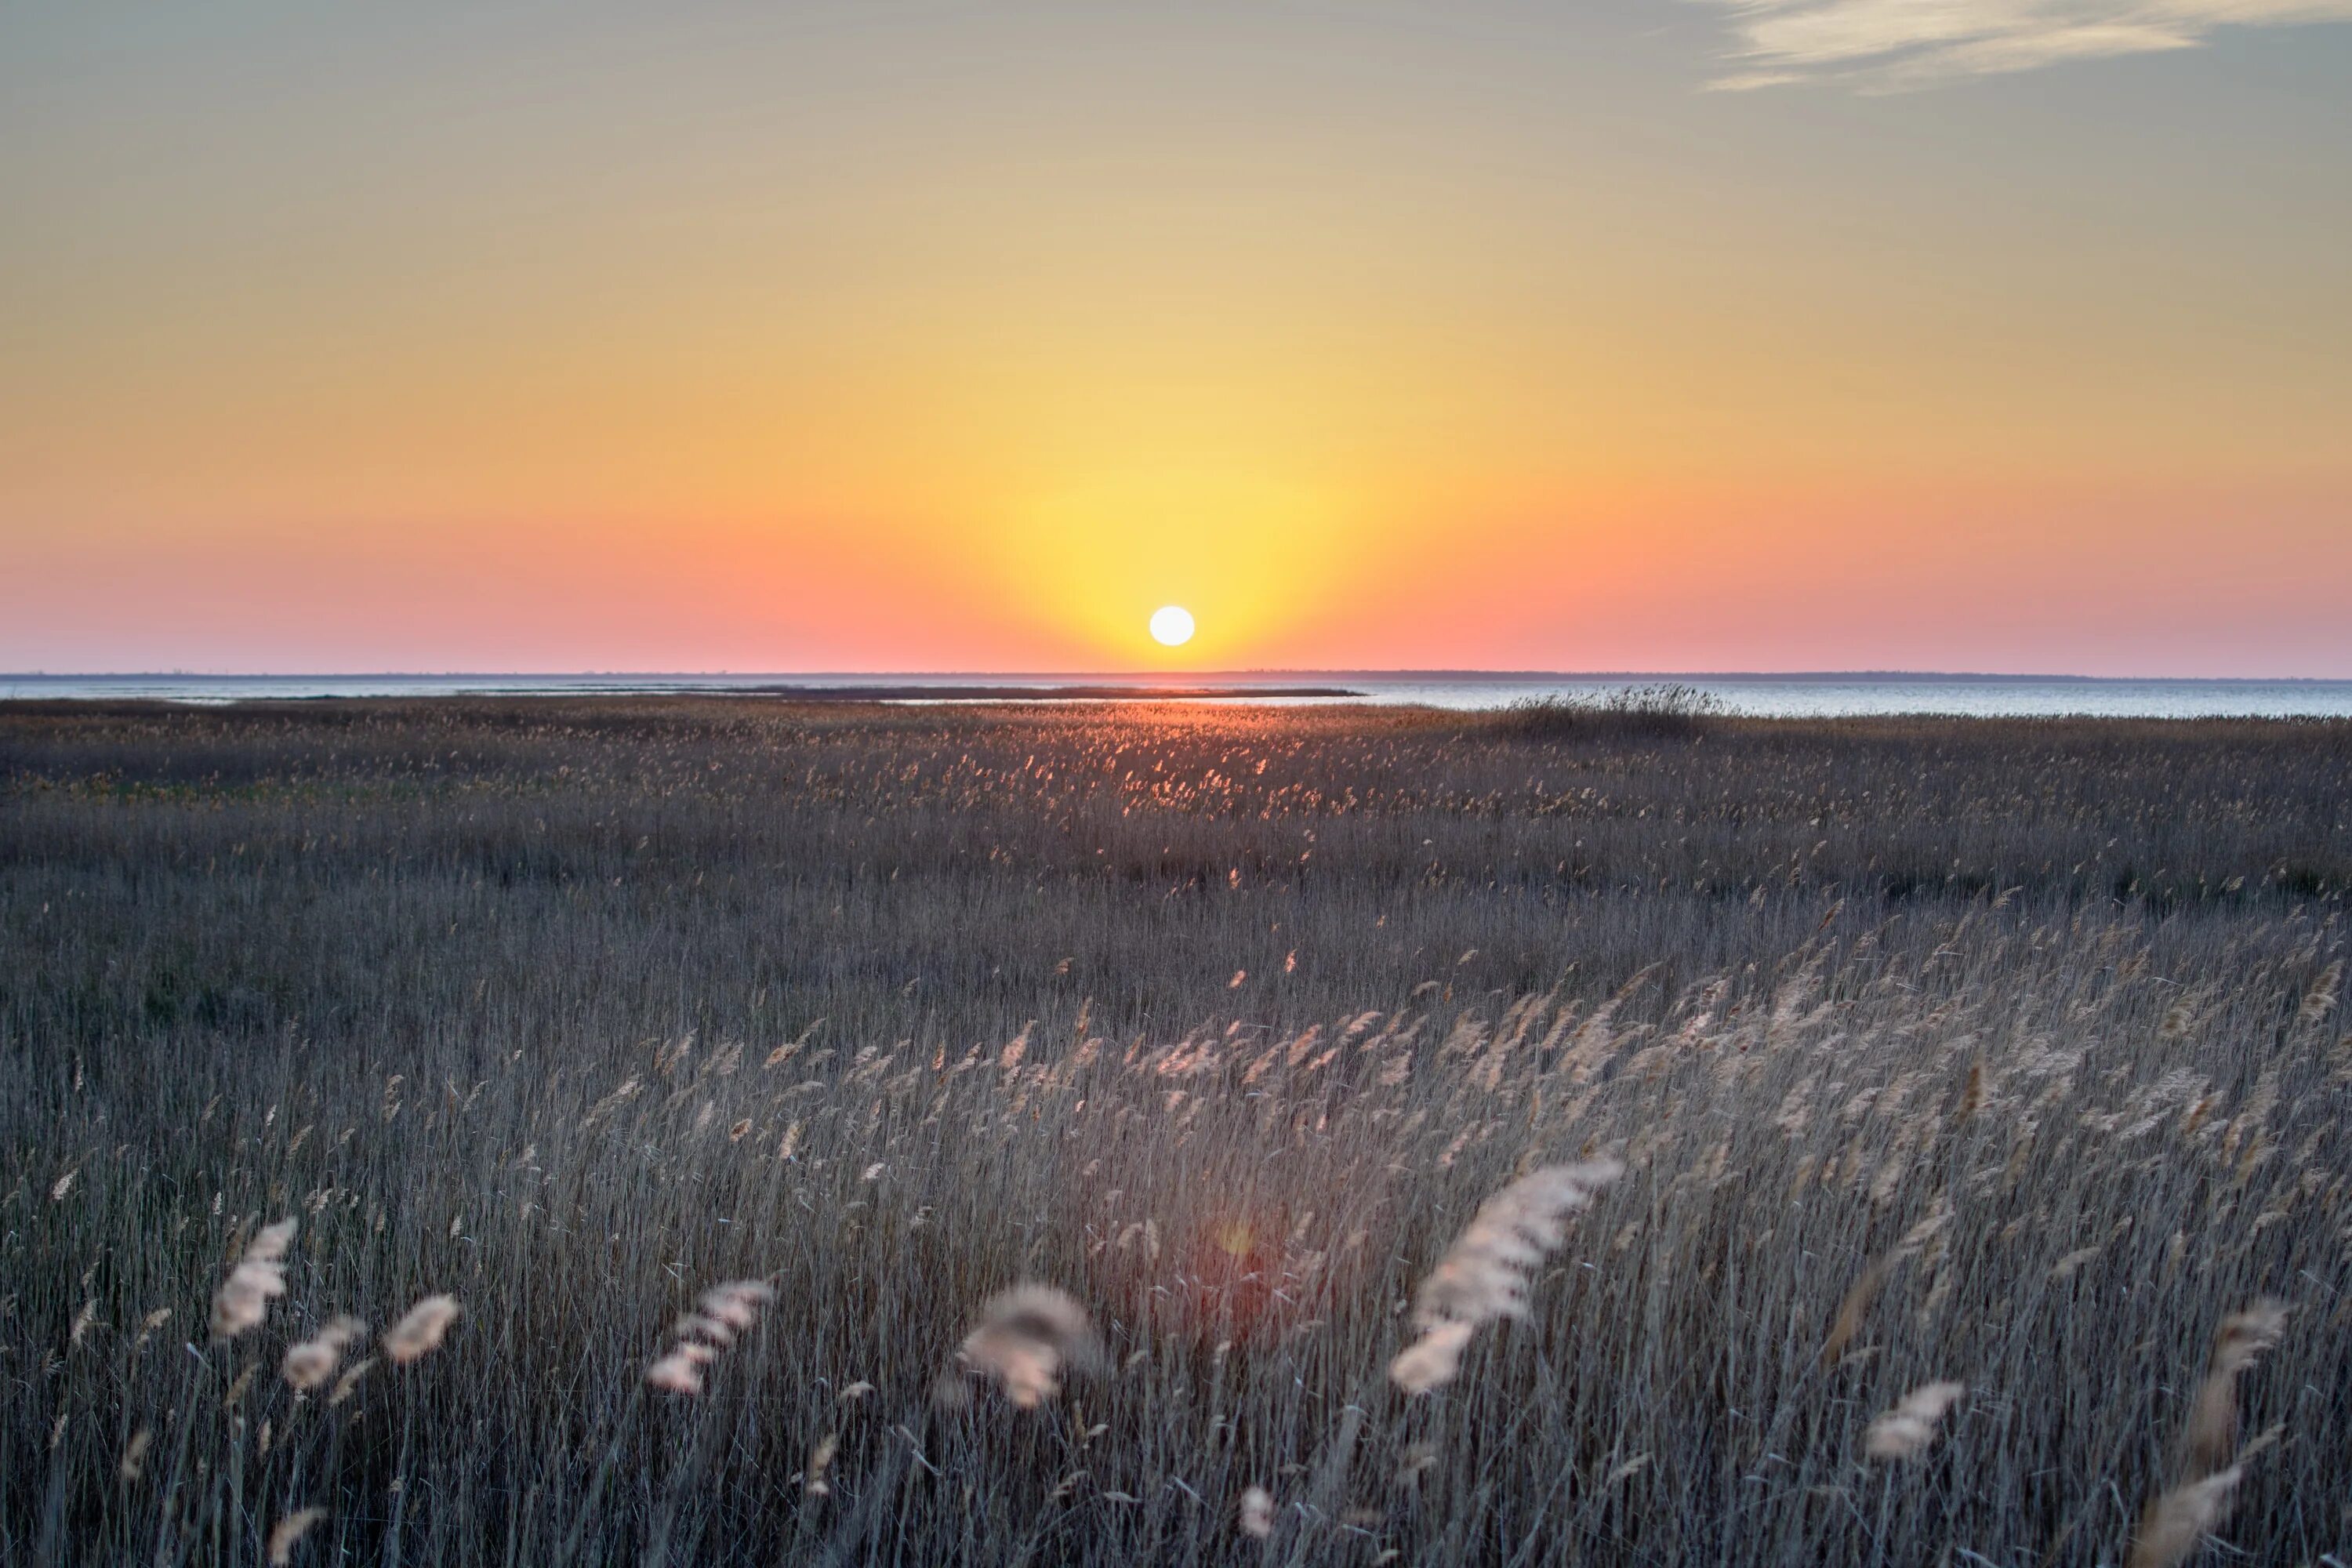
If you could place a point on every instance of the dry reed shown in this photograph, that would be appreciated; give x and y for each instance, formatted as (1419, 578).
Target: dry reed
(244, 1298)
(2061, 989)
(1487, 1272)
(2210, 1435)
(1906, 1431)
(314, 1361)
(287, 1534)
(1026, 1338)
(420, 1330)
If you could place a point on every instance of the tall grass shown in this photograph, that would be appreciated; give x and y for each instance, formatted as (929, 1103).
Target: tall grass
(1216, 1030)
(1665, 711)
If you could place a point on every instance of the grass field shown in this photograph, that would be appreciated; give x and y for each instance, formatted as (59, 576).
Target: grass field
(2003, 1054)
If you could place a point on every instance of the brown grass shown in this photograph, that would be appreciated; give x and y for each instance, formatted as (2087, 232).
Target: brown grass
(563, 1008)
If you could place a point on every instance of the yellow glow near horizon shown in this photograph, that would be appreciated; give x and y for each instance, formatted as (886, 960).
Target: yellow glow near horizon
(1088, 543)
(1172, 626)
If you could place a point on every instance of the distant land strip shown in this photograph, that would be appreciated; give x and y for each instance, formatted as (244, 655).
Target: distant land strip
(1033, 693)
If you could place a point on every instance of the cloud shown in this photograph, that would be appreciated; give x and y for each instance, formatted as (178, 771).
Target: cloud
(1888, 45)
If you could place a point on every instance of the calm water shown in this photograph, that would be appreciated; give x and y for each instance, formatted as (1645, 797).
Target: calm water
(1763, 695)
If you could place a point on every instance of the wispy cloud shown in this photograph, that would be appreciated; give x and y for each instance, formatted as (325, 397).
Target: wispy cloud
(1887, 44)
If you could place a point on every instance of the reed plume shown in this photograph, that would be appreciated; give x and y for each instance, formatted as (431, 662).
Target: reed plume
(680, 1371)
(1854, 1306)
(288, 1533)
(820, 1459)
(2213, 1430)
(242, 1299)
(2320, 1000)
(1487, 1274)
(1433, 1359)
(134, 1457)
(2181, 1518)
(420, 1332)
(724, 1314)
(1025, 1338)
(314, 1359)
(1906, 1431)
(349, 1383)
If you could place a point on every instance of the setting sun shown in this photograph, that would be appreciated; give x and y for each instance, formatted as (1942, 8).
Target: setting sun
(1172, 626)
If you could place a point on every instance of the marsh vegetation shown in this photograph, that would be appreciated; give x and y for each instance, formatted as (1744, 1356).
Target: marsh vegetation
(1061, 1134)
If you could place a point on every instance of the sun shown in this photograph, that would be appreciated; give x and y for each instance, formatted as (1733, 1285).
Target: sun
(1172, 626)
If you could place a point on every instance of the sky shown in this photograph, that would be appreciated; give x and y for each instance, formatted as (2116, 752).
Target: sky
(1995, 335)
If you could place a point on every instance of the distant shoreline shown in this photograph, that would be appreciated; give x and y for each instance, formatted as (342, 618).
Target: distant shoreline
(1022, 693)
(806, 694)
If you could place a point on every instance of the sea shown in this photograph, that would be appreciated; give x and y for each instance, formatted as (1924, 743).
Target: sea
(1759, 695)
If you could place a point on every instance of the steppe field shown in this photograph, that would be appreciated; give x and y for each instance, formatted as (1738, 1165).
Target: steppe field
(722, 1131)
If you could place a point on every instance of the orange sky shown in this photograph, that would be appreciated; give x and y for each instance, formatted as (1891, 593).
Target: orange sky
(929, 339)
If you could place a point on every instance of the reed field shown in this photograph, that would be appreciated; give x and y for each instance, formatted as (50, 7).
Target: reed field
(698, 1130)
